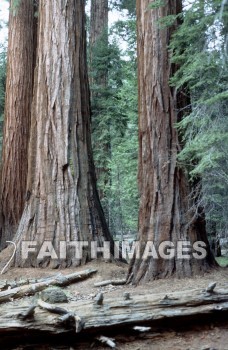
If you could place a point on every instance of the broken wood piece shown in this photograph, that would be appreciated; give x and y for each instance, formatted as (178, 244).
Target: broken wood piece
(142, 329)
(67, 316)
(211, 287)
(107, 341)
(51, 307)
(4, 285)
(11, 258)
(31, 289)
(167, 300)
(127, 296)
(108, 282)
(60, 278)
(28, 313)
(99, 299)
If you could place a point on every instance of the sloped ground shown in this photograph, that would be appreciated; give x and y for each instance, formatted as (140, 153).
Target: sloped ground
(195, 337)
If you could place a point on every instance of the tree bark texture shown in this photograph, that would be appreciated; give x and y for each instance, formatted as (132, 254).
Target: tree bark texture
(19, 90)
(164, 203)
(62, 199)
(118, 314)
(98, 84)
(98, 23)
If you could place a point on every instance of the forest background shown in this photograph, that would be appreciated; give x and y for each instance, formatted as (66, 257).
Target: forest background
(200, 49)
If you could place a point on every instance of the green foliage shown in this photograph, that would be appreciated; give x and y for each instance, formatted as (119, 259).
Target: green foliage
(199, 53)
(168, 21)
(156, 4)
(123, 189)
(16, 3)
(222, 261)
(126, 32)
(129, 5)
(114, 127)
(14, 6)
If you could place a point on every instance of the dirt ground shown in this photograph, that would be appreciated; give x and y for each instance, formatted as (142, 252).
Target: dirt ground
(195, 337)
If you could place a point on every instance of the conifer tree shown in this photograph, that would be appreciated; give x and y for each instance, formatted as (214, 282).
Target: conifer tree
(62, 202)
(19, 90)
(164, 209)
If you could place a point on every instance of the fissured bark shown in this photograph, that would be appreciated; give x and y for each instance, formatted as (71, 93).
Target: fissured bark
(19, 90)
(62, 199)
(164, 193)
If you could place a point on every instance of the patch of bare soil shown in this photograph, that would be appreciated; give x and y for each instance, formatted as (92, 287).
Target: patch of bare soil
(212, 336)
(197, 338)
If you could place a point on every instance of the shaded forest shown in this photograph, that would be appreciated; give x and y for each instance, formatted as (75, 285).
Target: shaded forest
(199, 49)
(114, 155)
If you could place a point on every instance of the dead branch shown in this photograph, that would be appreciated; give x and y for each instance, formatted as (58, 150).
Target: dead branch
(33, 288)
(112, 282)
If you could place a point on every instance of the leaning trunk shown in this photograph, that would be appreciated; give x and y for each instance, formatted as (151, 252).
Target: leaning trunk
(62, 201)
(164, 206)
(19, 88)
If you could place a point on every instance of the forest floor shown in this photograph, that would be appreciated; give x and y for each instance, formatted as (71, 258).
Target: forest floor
(214, 335)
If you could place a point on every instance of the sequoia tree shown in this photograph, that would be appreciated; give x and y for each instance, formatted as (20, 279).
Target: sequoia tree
(98, 23)
(62, 200)
(19, 88)
(165, 213)
(99, 62)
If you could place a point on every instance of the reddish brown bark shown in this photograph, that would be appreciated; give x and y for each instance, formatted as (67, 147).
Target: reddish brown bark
(19, 89)
(98, 37)
(98, 22)
(164, 206)
(99, 81)
(62, 202)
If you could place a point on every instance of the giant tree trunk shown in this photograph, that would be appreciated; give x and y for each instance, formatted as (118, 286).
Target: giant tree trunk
(19, 88)
(164, 209)
(99, 83)
(62, 200)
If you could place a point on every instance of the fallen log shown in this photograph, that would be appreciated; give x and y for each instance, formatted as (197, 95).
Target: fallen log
(112, 313)
(112, 282)
(31, 289)
(8, 284)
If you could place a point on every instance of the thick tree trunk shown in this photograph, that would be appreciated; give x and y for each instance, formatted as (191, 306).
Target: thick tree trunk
(62, 200)
(19, 89)
(98, 84)
(164, 206)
